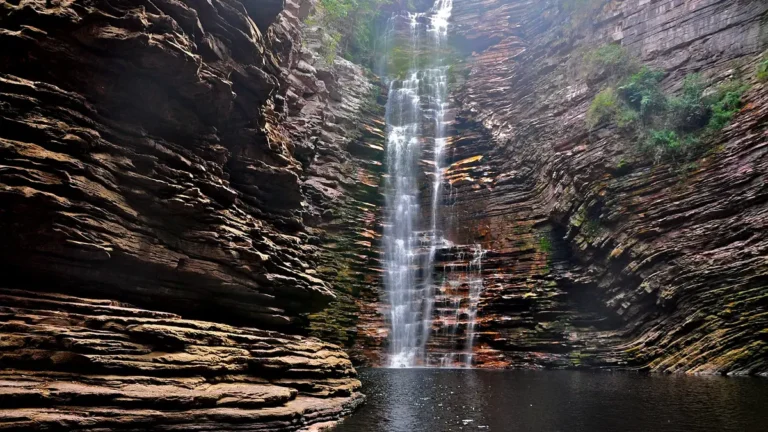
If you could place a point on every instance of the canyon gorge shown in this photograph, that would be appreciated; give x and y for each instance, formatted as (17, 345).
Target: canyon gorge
(213, 211)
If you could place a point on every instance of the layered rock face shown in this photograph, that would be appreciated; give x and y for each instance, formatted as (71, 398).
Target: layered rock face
(83, 364)
(598, 256)
(172, 176)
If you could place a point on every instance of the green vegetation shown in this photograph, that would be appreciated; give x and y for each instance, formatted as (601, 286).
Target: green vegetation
(401, 59)
(641, 92)
(726, 104)
(612, 59)
(667, 126)
(604, 107)
(680, 128)
(689, 109)
(349, 26)
(762, 69)
(545, 243)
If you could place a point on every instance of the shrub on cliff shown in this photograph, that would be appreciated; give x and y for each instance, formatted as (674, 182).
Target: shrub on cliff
(642, 92)
(610, 59)
(762, 70)
(668, 126)
(350, 27)
(689, 111)
(726, 103)
(690, 119)
(603, 108)
(668, 144)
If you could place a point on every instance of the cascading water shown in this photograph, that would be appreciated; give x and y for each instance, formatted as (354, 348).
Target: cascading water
(400, 243)
(475, 275)
(416, 126)
(459, 299)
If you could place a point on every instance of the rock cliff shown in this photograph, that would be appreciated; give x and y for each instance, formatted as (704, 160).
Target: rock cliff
(189, 207)
(174, 182)
(599, 256)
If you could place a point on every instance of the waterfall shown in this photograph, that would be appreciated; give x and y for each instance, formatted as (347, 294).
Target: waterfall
(403, 149)
(463, 272)
(475, 275)
(416, 118)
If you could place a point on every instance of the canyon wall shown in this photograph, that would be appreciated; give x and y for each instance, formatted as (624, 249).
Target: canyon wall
(184, 189)
(597, 255)
(190, 208)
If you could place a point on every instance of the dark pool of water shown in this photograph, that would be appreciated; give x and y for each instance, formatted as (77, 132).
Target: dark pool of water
(434, 400)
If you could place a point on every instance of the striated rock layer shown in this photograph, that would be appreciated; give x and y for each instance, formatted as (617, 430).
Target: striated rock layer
(596, 255)
(85, 364)
(193, 159)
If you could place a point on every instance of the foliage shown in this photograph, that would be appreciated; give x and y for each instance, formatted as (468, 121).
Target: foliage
(762, 70)
(545, 244)
(636, 99)
(688, 110)
(666, 143)
(330, 46)
(402, 58)
(350, 27)
(612, 59)
(667, 126)
(603, 108)
(642, 92)
(726, 104)
(626, 118)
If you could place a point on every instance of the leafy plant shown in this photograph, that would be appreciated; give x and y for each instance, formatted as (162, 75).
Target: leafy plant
(688, 111)
(330, 46)
(403, 57)
(668, 144)
(626, 118)
(545, 244)
(604, 107)
(667, 126)
(762, 70)
(726, 104)
(642, 91)
(613, 59)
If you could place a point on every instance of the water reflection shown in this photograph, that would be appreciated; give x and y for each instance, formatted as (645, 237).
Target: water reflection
(434, 400)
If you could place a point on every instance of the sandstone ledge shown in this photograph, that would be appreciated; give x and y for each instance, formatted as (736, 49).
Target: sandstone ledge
(85, 364)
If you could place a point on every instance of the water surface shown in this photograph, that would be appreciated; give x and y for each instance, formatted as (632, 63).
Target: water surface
(441, 400)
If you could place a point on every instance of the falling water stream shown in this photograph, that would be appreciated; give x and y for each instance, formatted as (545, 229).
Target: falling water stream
(416, 147)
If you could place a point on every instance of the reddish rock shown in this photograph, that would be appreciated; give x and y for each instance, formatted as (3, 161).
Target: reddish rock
(191, 159)
(645, 267)
(597, 255)
(86, 364)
